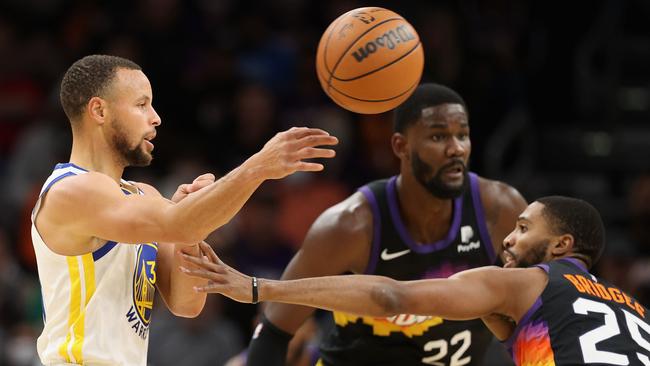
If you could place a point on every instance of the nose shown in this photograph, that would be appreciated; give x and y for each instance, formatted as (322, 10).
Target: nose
(155, 120)
(456, 148)
(509, 241)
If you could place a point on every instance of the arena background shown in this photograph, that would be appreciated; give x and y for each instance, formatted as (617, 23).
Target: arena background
(558, 96)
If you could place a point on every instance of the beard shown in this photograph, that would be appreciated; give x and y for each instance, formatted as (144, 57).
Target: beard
(536, 255)
(132, 156)
(435, 185)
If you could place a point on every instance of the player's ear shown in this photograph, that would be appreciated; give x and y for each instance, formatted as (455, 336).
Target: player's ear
(399, 144)
(96, 109)
(562, 245)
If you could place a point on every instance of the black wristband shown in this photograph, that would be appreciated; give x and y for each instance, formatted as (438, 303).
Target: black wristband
(254, 282)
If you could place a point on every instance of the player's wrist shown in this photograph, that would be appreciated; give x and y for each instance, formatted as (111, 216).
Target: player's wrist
(254, 290)
(254, 169)
(264, 289)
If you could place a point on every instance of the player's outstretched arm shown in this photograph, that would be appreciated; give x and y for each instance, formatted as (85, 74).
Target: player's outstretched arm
(467, 295)
(337, 242)
(92, 204)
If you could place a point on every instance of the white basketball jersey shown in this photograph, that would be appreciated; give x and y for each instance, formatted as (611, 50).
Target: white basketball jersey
(96, 306)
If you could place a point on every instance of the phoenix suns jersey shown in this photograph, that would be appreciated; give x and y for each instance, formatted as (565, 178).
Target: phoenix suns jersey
(579, 319)
(408, 339)
(96, 306)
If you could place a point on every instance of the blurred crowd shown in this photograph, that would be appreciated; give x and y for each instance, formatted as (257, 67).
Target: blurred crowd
(559, 103)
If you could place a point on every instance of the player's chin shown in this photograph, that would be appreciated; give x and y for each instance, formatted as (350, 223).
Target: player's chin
(455, 184)
(148, 159)
(143, 159)
(454, 188)
(146, 156)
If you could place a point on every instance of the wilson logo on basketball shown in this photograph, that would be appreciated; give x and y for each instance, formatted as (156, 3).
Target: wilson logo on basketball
(390, 39)
(364, 17)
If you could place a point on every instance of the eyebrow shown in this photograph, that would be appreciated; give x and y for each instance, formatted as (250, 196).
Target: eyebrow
(143, 98)
(523, 218)
(445, 125)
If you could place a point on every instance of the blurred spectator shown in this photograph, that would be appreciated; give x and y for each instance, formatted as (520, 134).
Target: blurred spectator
(208, 340)
(259, 248)
(301, 200)
(11, 278)
(20, 310)
(639, 204)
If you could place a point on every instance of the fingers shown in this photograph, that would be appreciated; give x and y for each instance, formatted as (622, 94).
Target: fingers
(311, 136)
(300, 132)
(201, 181)
(284, 154)
(317, 140)
(202, 273)
(209, 252)
(213, 288)
(308, 167)
(313, 152)
(183, 188)
(204, 263)
(207, 177)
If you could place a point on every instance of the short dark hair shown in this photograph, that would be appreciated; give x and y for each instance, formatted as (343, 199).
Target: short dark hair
(567, 215)
(425, 95)
(87, 78)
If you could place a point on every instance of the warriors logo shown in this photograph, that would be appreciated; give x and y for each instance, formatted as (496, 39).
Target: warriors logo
(144, 281)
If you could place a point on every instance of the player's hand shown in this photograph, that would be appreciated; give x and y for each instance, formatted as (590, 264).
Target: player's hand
(201, 181)
(222, 278)
(285, 153)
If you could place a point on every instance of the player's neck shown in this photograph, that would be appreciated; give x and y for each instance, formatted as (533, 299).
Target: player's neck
(93, 155)
(426, 216)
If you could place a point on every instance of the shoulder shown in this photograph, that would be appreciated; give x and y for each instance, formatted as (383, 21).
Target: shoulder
(349, 216)
(494, 192)
(68, 206)
(82, 186)
(342, 234)
(497, 196)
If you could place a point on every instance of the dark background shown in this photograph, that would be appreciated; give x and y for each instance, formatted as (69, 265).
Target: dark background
(558, 95)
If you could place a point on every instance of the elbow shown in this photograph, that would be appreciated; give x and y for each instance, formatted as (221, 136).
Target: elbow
(389, 298)
(187, 313)
(188, 310)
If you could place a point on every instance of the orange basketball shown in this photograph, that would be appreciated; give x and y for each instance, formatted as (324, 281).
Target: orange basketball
(369, 60)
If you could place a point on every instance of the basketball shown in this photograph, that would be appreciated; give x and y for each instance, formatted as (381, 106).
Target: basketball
(369, 60)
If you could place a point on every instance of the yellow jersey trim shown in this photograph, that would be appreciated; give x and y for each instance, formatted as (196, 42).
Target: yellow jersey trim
(72, 348)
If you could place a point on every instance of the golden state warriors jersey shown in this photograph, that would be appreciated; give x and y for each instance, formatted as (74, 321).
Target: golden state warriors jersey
(96, 306)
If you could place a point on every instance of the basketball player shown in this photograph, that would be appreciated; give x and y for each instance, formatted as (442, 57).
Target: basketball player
(549, 311)
(102, 243)
(432, 220)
